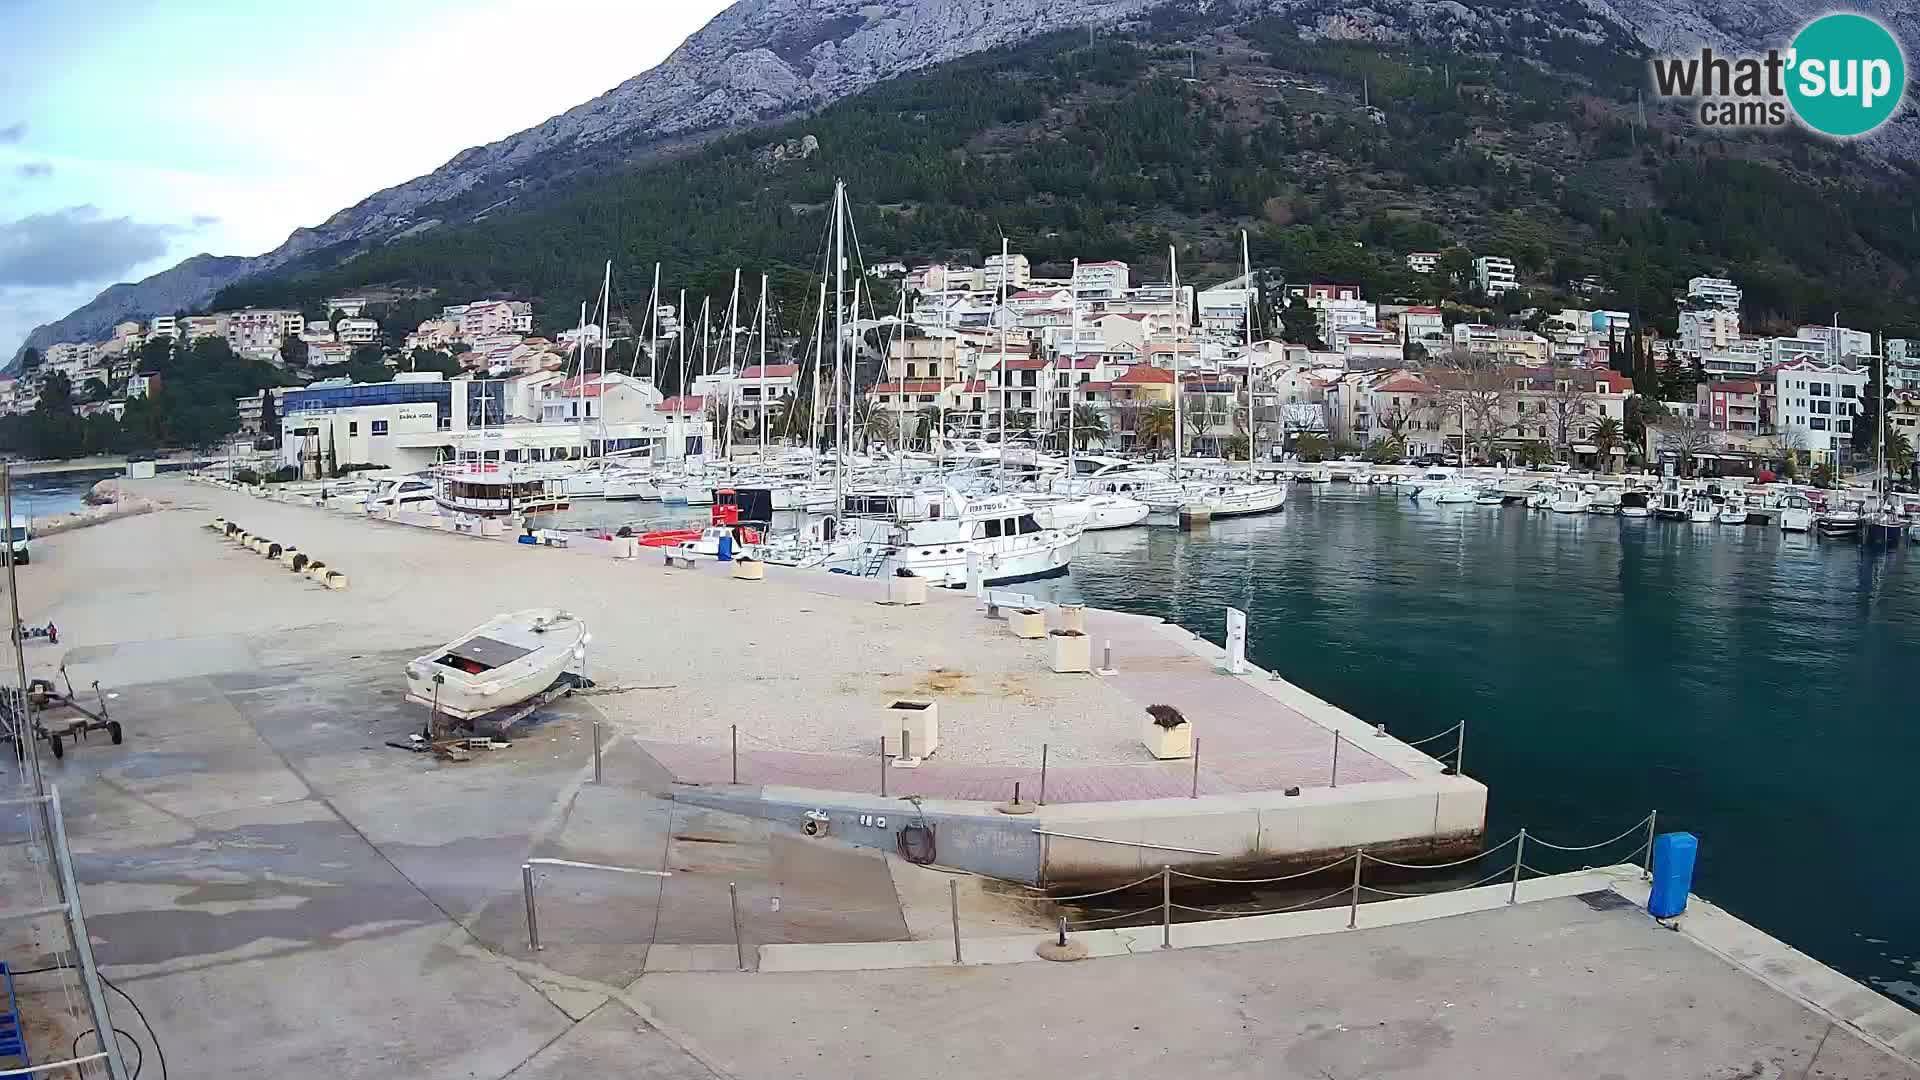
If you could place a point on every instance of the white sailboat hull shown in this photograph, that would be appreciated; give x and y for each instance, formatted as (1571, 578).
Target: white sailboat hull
(519, 655)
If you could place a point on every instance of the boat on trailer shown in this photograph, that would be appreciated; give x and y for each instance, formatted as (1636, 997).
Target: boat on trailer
(498, 664)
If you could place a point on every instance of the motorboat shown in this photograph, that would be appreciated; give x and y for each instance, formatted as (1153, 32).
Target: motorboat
(1633, 504)
(1732, 512)
(1796, 513)
(1092, 513)
(413, 494)
(1570, 500)
(1842, 522)
(1319, 474)
(1442, 486)
(1243, 500)
(1886, 526)
(500, 663)
(1672, 504)
(1604, 502)
(936, 534)
(1489, 496)
(1701, 510)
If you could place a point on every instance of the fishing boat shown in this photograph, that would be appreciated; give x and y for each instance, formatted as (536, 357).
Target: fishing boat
(1489, 496)
(1571, 500)
(1733, 511)
(1841, 522)
(1701, 510)
(1633, 504)
(500, 663)
(1604, 502)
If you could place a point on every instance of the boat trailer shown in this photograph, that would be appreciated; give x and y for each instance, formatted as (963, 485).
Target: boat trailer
(42, 699)
(437, 736)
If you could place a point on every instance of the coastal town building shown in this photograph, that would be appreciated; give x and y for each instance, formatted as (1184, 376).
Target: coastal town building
(1816, 404)
(1714, 292)
(1423, 262)
(1495, 274)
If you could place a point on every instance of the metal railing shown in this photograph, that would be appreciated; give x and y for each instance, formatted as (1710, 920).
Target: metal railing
(1513, 872)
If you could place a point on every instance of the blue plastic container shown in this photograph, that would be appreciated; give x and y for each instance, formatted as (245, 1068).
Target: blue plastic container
(1673, 855)
(726, 549)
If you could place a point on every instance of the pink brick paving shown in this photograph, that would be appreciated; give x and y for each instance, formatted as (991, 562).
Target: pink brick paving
(1249, 741)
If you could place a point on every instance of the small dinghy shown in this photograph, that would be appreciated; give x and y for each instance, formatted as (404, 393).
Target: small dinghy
(500, 663)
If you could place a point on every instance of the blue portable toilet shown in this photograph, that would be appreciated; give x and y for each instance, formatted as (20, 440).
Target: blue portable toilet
(726, 547)
(1673, 855)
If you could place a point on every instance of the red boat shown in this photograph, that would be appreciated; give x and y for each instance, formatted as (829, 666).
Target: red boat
(725, 512)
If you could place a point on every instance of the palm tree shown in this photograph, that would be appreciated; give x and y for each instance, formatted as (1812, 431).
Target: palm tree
(1156, 425)
(1310, 447)
(1605, 436)
(927, 430)
(877, 425)
(792, 418)
(1900, 459)
(1089, 426)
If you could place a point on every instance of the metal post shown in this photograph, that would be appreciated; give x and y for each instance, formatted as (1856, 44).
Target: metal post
(1460, 750)
(906, 747)
(739, 947)
(77, 926)
(736, 753)
(1166, 906)
(1196, 770)
(1519, 853)
(533, 919)
(953, 902)
(1016, 793)
(1353, 903)
(1043, 774)
(1106, 658)
(1334, 780)
(596, 751)
(883, 766)
(1653, 818)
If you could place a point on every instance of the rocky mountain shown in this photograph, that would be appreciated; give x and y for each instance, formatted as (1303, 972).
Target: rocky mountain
(762, 60)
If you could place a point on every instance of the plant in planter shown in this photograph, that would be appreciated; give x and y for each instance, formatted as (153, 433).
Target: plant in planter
(1167, 733)
(1027, 623)
(1071, 651)
(747, 568)
(906, 588)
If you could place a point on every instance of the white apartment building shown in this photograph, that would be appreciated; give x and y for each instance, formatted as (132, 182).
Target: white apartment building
(1329, 315)
(1102, 280)
(1839, 343)
(205, 326)
(350, 306)
(1018, 273)
(69, 355)
(1708, 329)
(358, 331)
(1495, 274)
(1223, 310)
(165, 326)
(1819, 402)
(1719, 292)
(1423, 262)
(1422, 324)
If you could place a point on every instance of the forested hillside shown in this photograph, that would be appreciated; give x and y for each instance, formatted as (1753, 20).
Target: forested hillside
(1529, 146)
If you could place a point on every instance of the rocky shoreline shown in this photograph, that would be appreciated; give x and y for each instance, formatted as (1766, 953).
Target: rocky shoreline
(109, 500)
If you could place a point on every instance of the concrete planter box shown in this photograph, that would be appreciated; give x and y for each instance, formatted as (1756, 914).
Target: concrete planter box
(906, 590)
(1167, 744)
(1070, 652)
(287, 556)
(624, 547)
(749, 570)
(912, 726)
(1071, 617)
(1027, 623)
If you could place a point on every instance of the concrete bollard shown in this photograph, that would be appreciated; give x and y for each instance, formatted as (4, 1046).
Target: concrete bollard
(273, 550)
(316, 570)
(335, 580)
(288, 555)
(298, 562)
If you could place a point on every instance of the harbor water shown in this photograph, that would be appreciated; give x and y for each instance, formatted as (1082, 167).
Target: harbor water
(1751, 687)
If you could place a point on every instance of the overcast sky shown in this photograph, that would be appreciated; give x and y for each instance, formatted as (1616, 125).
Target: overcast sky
(134, 133)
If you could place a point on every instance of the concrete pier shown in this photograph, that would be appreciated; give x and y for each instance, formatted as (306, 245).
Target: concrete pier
(257, 849)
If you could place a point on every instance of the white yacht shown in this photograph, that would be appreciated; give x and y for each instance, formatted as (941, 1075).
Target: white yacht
(1672, 504)
(1091, 513)
(1441, 485)
(1604, 502)
(933, 534)
(1732, 512)
(1570, 500)
(1701, 510)
(1633, 504)
(405, 493)
(487, 490)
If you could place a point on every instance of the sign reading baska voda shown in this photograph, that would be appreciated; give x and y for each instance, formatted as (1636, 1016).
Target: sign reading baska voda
(1843, 75)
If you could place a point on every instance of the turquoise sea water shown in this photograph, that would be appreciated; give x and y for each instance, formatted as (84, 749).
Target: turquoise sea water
(1756, 689)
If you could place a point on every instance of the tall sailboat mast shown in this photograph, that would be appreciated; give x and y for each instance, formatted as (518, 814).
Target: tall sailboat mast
(1253, 409)
(839, 342)
(817, 415)
(1179, 427)
(763, 368)
(653, 330)
(1073, 361)
(1000, 316)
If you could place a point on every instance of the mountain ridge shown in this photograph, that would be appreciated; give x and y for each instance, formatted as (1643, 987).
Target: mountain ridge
(760, 61)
